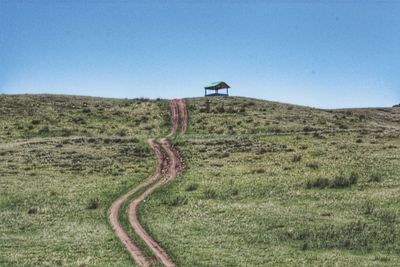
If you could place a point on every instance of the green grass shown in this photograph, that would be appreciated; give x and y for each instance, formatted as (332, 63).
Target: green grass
(39, 116)
(56, 190)
(252, 203)
(264, 183)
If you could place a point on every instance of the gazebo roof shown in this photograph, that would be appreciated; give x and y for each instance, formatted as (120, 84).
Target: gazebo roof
(217, 85)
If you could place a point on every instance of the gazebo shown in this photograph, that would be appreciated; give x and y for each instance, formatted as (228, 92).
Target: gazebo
(216, 86)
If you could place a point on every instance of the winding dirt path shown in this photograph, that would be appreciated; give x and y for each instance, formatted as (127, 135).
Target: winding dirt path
(173, 105)
(168, 166)
(135, 252)
(182, 111)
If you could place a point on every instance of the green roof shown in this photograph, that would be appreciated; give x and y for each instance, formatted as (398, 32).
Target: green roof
(217, 85)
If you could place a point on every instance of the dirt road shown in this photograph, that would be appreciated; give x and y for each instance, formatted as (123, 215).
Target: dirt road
(182, 111)
(168, 166)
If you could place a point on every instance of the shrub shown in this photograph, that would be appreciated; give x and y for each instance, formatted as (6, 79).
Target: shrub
(35, 122)
(141, 151)
(122, 132)
(234, 192)
(339, 182)
(224, 155)
(353, 178)
(44, 130)
(312, 165)
(259, 170)
(66, 132)
(262, 150)
(368, 207)
(317, 135)
(78, 120)
(32, 211)
(93, 204)
(354, 235)
(308, 129)
(219, 131)
(231, 110)
(207, 106)
(221, 109)
(296, 158)
(113, 170)
(318, 183)
(275, 130)
(375, 178)
(210, 194)
(192, 187)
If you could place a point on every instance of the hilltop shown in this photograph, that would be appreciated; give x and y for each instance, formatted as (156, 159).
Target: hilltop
(263, 182)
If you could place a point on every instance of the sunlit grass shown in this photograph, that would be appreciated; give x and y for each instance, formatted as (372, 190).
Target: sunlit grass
(264, 183)
(56, 190)
(250, 203)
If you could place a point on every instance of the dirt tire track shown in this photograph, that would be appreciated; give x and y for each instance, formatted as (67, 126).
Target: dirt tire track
(174, 117)
(183, 113)
(135, 252)
(168, 166)
(159, 253)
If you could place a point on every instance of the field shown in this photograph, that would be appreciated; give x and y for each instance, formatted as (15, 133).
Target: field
(273, 184)
(264, 183)
(63, 160)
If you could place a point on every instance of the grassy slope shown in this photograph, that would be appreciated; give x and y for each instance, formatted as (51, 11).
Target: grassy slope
(59, 158)
(242, 200)
(268, 183)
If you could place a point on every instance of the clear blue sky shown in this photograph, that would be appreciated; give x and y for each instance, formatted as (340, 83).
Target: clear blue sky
(317, 53)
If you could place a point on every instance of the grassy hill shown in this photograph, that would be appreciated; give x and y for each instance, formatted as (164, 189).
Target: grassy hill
(63, 160)
(264, 182)
(269, 183)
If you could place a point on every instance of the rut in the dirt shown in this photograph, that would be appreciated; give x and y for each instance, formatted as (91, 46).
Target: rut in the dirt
(168, 166)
